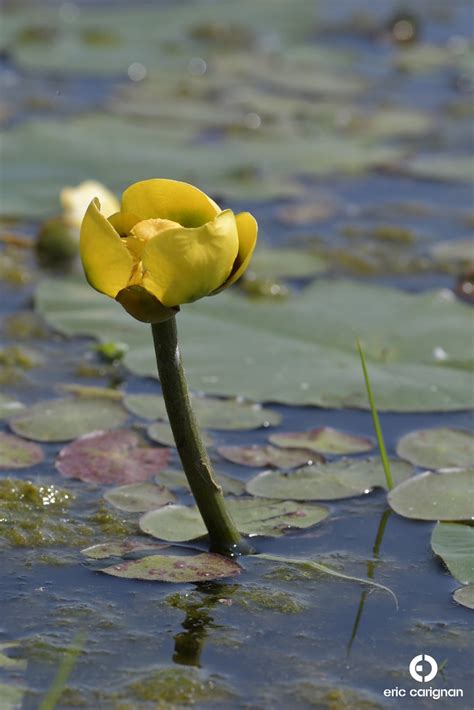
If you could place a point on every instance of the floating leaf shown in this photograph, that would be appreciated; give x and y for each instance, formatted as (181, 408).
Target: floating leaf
(178, 480)
(171, 568)
(325, 440)
(175, 523)
(64, 419)
(111, 457)
(435, 496)
(119, 549)
(438, 448)
(267, 351)
(455, 252)
(259, 456)
(16, 453)
(89, 391)
(454, 543)
(465, 596)
(162, 434)
(273, 263)
(339, 479)
(178, 523)
(9, 406)
(139, 497)
(221, 414)
(448, 168)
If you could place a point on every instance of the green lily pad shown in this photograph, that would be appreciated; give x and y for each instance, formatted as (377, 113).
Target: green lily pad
(454, 543)
(12, 696)
(177, 480)
(139, 497)
(465, 596)
(171, 568)
(446, 168)
(455, 252)
(222, 414)
(9, 406)
(178, 523)
(118, 549)
(16, 453)
(111, 457)
(64, 419)
(438, 448)
(325, 440)
(259, 456)
(435, 496)
(162, 434)
(267, 351)
(331, 481)
(285, 263)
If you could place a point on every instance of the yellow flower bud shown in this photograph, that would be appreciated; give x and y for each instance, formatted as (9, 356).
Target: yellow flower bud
(76, 200)
(169, 244)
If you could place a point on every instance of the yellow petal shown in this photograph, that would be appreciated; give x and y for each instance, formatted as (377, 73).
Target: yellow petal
(248, 230)
(144, 306)
(169, 199)
(106, 261)
(75, 201)
(123, 222)
(186, 264)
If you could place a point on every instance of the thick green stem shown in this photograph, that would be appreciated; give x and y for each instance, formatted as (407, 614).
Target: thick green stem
(223, 535)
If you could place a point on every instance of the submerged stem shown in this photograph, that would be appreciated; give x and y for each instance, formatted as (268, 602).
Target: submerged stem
(223, 535)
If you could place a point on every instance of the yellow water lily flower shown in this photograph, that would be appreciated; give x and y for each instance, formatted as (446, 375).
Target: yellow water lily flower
(76, 200)
(169, 244)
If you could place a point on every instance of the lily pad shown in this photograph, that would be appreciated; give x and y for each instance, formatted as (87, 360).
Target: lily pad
(455, 252)
(178, 523)
(162, 434)
(438, 448)
(267, 351)
(64, 419)
(465, 596)
(339, 479)
(446, 168)
(325, 440)
(111, 457)
(9, 406)
(179, 569)
(454, 543)
(139, 497)
(259, 456)
(222, 414)
(118, 549)
(16, 453)
(273, 263)
(435, 496)
(177, 480)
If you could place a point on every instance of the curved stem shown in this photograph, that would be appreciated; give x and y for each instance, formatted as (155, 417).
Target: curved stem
(223, 535)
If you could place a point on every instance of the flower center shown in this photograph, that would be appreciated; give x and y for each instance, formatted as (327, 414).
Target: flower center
(143, 231)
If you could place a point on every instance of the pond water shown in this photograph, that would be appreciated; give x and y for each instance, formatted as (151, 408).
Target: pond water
(347, 142)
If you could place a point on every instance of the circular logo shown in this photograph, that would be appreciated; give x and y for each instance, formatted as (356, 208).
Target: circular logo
(423, 668)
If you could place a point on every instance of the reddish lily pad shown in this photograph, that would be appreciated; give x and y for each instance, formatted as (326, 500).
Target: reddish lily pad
(119, 549)
(65, 419)
(438, 448)
(259, 456)
(17, 453)
(324, 440)
(173, 568)
(111, 457)
(139, 497)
